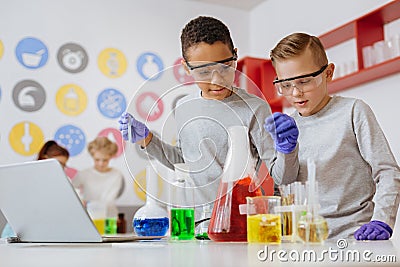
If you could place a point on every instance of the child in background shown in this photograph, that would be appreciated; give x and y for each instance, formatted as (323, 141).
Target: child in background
(51, 150)
(100, 182)
(203, 118)
(357, 174)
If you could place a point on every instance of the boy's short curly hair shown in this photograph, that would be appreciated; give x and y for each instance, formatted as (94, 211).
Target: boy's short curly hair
(204, 29)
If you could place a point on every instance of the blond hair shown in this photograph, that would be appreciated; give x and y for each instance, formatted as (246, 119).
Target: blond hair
(104, 145)
(296, 44)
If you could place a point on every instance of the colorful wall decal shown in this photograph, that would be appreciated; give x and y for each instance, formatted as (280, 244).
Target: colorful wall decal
(149, 106)
(149, 66)
(1, 49)
(31, 53)
(72, 138)
(180, 73)
(71, 99)
(26, 138)
(111, 103)
(112, 62)
(115, 136)
(72, 58)
(140, 185)
(29, 95)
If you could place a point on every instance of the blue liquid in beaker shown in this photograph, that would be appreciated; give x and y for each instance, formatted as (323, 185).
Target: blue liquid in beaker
(150, 226)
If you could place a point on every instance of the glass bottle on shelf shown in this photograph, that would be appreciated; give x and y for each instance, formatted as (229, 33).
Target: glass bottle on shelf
(121, 223)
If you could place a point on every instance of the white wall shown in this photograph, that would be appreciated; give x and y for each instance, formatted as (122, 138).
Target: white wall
(136, 27)
(274, 19)
(133, 27)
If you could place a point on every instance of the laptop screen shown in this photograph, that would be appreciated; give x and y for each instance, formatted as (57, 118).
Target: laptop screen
(41, 205)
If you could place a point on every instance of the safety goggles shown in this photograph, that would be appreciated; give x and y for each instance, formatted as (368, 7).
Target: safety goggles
(304, 83)
(204, 72)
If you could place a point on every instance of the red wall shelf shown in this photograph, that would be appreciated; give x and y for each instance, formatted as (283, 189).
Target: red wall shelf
(366, 30)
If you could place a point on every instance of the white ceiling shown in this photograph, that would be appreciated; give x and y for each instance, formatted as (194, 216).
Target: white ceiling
(240, 4)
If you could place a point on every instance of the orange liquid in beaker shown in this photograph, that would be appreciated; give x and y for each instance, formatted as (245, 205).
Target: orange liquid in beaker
(236, 228)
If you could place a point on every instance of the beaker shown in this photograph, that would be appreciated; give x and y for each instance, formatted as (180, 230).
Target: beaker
(312, 228)
(182, 205)
(238, 182)
(111, 219)
(98, 211)
(151, 219)
(263, 221)
(292, 208)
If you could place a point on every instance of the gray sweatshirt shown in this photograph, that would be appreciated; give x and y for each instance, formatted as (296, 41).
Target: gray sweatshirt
(203, 142)
(357, 174)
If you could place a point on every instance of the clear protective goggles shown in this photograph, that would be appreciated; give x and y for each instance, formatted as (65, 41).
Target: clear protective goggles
(205, 71)
(303, 83)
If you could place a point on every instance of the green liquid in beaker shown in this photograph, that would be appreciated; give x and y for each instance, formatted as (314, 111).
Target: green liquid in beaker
(110, 226)
(182, 224)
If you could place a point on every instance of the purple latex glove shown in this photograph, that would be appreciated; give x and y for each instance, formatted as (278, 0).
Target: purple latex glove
(283, 130)
(139, 131)
(374, 230)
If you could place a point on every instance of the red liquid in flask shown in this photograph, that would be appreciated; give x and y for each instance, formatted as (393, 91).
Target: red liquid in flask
(227, 224)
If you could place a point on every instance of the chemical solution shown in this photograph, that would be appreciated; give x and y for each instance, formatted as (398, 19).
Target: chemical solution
(227, 224)
(264, 228)
(182, 223)
(110, 226)
(100, 225)
(150, 226)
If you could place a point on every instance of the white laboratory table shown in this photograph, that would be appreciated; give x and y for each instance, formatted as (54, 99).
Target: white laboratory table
(200, 253)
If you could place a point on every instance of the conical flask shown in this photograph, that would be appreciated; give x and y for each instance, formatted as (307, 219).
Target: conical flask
(151, 219)
(237, 182)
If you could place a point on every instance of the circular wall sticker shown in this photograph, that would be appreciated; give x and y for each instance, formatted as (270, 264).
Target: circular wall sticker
(149, 106)
(149, 66)
(1, 49)
(140, 185)
(31, 53)
(180, 73)
(29, 95)
(71, 99)
(26, 138)
(111, 103)
(72, 138)
(112, 62)
(72, 58)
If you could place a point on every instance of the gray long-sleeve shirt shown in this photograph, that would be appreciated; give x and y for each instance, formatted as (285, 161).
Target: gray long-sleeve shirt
(357, 174)
(203, 142)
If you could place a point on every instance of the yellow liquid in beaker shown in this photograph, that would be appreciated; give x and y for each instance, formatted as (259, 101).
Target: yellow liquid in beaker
(100, 225)
(264, 228)
(315, 231)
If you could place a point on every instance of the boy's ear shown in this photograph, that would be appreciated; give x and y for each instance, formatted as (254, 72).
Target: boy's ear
(329, 71)
(183, 62)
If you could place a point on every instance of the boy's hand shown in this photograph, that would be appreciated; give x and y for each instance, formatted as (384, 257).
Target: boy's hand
(374, 230)
(283, 130)
(138, 130)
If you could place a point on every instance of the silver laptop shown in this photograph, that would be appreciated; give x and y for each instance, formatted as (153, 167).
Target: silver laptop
(41, 205)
